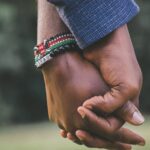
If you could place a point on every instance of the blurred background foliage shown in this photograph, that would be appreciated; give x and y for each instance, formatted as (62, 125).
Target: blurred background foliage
(21, 85)
(22, 95)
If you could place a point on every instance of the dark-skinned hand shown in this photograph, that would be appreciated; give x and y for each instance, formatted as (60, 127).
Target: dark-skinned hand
(70, 80)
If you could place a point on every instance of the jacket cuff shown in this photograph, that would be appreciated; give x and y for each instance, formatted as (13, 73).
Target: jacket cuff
(91, 20)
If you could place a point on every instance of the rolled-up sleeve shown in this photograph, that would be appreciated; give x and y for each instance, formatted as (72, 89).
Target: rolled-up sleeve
(91, 20)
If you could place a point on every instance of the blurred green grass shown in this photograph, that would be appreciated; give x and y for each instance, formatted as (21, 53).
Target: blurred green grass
(44, 136)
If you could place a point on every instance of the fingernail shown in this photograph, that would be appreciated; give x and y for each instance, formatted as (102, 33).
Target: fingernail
(138, 118)
(142, 143)
(81, 112)
(79, 136)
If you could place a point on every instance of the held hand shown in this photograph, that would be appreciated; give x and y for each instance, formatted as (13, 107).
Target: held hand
(69, 81)
(116, 60)
(95, 125)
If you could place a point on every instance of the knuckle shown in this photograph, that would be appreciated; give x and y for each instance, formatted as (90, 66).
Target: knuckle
(132, 88)
(103, 104)
(98, 100)
(95, 101)
(111, 130)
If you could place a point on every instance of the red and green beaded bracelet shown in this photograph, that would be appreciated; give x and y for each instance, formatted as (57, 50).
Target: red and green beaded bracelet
(52, 47)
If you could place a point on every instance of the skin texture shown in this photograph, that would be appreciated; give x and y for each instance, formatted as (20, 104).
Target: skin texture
(79, 81)
(69, 81)
(116, 60)
(125, 82)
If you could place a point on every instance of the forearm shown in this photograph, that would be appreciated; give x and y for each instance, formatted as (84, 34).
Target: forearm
(91, 20)
(49, 22)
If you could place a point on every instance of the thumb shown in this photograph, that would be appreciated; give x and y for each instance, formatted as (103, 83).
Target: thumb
(130, 113)
(112, 100)
(107, 104)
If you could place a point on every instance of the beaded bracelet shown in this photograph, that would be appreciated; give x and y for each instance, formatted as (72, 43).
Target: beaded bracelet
(52, 47)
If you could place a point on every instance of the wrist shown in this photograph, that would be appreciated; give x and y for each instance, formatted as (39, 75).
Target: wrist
(108, 45)
(53, 47)
(62, 68)
(49, 22)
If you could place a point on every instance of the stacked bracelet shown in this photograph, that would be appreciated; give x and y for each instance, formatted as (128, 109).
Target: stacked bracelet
(52, 47)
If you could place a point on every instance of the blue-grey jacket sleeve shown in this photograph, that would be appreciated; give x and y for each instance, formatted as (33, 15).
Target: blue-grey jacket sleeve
(91, 20)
